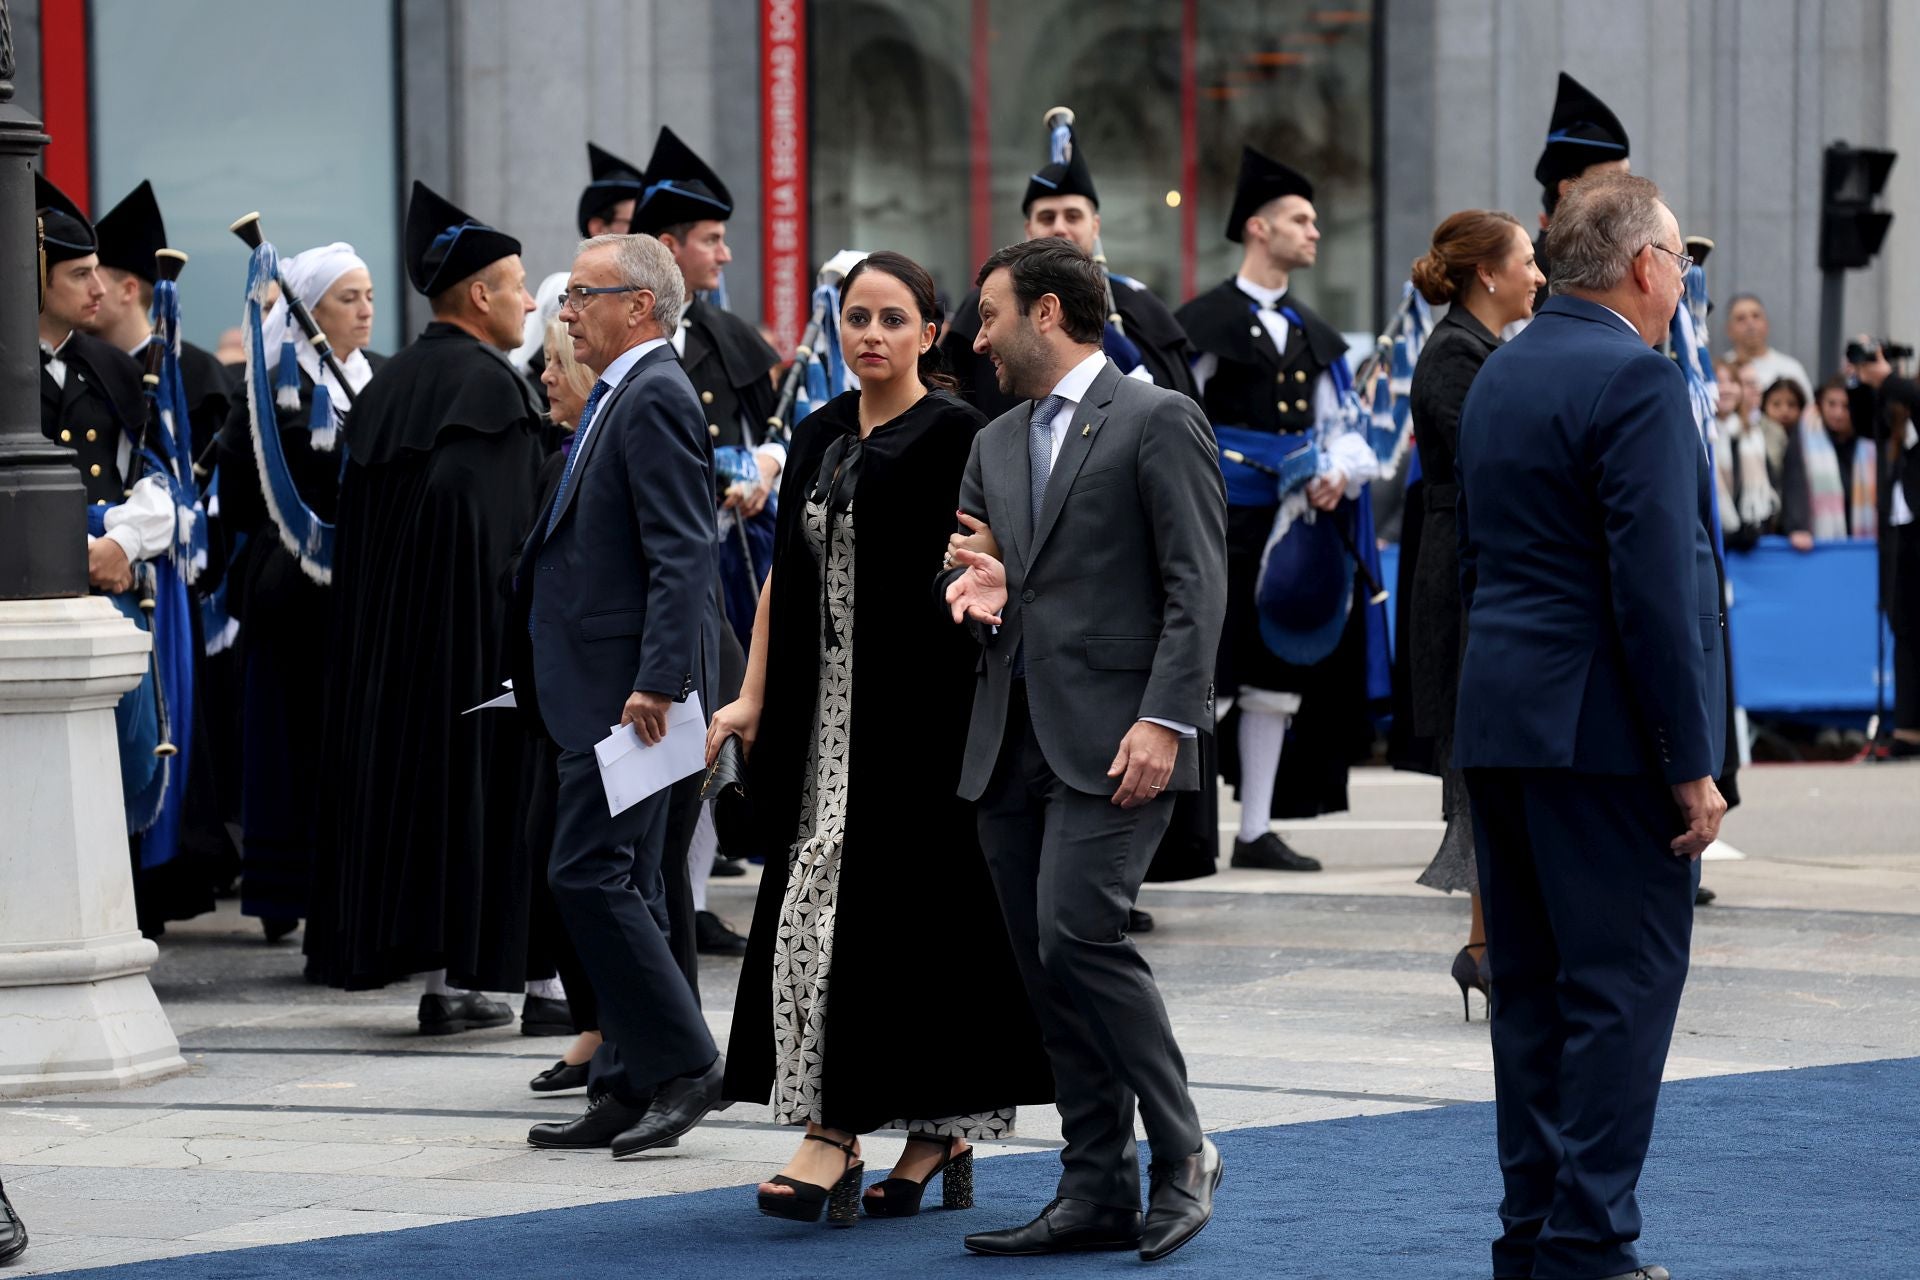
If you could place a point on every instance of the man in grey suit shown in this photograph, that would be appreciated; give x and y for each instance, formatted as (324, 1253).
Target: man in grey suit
(1099, 608)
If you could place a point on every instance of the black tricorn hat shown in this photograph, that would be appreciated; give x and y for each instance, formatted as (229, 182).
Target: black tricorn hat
(445, 244)
(68, 233)
(1262, 181)
(614, 180)
(1069, 179)
(1582, 132)
(680, 188)
(130, 232)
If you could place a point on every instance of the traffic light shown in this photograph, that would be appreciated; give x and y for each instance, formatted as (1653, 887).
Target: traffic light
(1851, 229)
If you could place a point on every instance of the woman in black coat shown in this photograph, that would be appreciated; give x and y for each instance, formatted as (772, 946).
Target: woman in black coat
(1481, 262)
(282, 598)
(855, 716)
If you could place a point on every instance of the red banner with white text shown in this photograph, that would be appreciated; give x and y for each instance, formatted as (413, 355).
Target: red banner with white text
(785, 275)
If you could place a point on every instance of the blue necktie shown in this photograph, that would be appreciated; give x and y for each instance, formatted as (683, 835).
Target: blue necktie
(1040, 449)
(579, 447)
(1040, 459)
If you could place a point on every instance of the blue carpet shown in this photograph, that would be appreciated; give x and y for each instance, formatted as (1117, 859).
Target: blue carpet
(1751, 1175)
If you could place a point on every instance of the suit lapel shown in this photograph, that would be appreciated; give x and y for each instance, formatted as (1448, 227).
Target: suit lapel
(1085, 425)
(600, 412)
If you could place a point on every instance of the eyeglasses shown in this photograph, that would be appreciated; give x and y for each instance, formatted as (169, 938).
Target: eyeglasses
(1685, 260)
(578, 296)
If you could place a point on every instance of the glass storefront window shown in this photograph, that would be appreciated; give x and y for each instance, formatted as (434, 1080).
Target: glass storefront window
(315, 156)
(927, 121)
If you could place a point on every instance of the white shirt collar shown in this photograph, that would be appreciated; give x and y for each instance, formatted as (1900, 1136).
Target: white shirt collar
(1267, 296)
(623, 363)
(1617, 316)
(1073, 387)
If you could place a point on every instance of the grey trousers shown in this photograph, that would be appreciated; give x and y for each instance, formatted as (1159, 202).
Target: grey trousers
(1066, 867)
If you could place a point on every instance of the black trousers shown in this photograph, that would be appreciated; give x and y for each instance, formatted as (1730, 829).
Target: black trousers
(1903, 610)
(1066, 867)
(1589, 919)
(607, 881)
(549, 948)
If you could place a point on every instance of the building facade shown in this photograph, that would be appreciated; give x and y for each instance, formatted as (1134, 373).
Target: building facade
(913, 125)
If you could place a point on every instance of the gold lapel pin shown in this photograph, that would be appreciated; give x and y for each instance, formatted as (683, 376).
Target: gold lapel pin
(1087, 430)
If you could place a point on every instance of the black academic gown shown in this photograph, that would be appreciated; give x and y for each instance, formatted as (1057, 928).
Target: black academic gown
(911, 855)
(418, 864)
(1164, 348)
(285, 621)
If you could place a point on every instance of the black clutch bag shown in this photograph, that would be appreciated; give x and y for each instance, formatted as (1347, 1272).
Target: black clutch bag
(726, 786)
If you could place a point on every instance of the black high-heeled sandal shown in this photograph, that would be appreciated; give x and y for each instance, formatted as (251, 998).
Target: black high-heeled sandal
(900, 1197)
(841, 1201)
(1472, 975)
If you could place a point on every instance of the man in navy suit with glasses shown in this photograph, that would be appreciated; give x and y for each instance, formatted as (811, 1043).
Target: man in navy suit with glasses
(615, 586)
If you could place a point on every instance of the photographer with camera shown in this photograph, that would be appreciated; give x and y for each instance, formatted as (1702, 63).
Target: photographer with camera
(1888, 405)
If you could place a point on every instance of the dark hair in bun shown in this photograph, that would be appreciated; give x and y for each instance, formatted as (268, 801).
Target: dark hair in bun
(933, 361)
(1466, 241)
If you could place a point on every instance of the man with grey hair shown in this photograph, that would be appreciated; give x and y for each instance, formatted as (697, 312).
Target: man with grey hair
(1591, 721)
(615, 583)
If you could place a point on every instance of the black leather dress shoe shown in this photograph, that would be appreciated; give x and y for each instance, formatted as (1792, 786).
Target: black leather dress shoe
(1065, 1226)
(678, 1105)
(13, 1232)
(470, 1011)
(712, 937)
(544, 1016)
(1180, 1201)
(1138, 921)
(729, 867)
(1271, 853)
(605, 1118)
(561, 1075)
(1703, 896)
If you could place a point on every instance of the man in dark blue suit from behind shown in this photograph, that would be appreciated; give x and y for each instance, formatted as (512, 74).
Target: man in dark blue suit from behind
(1591, 721)
(615, 582)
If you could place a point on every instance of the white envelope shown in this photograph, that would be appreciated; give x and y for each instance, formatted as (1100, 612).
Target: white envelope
(631, 771)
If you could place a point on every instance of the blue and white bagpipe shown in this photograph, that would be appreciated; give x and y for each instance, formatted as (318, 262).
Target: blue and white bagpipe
(153, 765)
(1687, 338)
(1305, 584)
(308, 537)
(1114, 341)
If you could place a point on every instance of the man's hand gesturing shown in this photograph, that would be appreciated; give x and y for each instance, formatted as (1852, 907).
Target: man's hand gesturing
(979, 593)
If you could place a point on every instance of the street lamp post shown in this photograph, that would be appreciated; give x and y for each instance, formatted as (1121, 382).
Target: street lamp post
(76, 1009)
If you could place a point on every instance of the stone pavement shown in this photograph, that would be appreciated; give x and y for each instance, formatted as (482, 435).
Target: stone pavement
(309, 1112)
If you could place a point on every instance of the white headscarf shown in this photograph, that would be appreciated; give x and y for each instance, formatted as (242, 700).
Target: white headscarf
(546, 305)
(311, 274)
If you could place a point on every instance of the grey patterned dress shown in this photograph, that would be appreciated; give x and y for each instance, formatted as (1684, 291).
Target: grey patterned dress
(803, 945)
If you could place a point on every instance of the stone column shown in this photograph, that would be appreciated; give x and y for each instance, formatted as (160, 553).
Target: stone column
(76, 1010)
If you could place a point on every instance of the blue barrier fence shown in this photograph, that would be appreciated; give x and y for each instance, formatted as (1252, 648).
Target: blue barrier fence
(1802, 626)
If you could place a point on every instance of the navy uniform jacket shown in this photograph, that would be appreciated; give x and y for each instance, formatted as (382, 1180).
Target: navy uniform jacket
(620, 593)
(1586, 559)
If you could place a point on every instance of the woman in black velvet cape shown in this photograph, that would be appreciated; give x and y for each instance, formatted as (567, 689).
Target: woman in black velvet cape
(285, 609)
(927, 1025)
